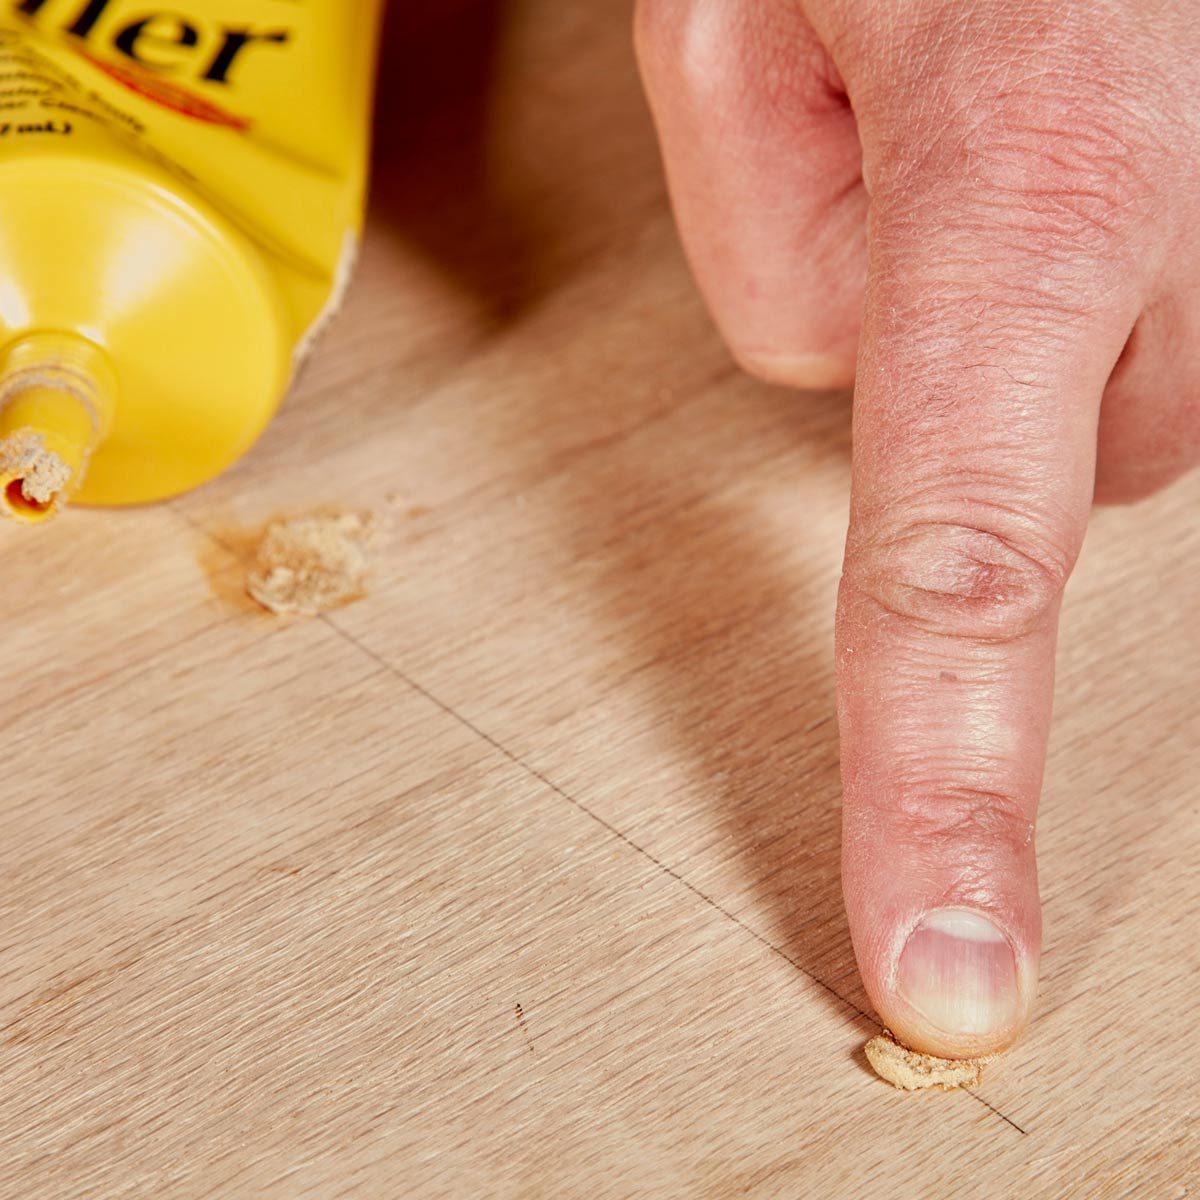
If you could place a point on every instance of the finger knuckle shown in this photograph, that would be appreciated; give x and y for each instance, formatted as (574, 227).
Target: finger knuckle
(949, 818)
(960, 579)
(1059, 147)
(1066, 179)
(761, 64)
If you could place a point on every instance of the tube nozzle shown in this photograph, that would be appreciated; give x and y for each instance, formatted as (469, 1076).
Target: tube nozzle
(54, 411)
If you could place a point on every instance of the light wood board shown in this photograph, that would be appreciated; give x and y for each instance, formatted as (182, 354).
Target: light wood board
(519, 877)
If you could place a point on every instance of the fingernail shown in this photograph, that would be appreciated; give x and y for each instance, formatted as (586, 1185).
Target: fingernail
(809, 372)
(957, 969)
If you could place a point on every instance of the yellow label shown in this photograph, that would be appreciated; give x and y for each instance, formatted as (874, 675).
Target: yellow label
(203, 166)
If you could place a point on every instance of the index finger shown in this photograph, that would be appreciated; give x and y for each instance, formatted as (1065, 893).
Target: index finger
(987, 341)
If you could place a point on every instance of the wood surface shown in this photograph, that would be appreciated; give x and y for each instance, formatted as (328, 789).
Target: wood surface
(519, 878)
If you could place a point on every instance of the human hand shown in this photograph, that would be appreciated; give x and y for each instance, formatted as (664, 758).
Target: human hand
(994, 206)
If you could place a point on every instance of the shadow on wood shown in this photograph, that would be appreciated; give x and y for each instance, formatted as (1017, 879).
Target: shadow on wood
(434, 174)
(721, 625)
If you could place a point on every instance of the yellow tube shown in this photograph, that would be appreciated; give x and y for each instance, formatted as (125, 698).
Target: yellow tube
(181, 195)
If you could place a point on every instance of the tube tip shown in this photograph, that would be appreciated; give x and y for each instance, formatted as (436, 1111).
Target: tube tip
(56, 403)
(21, 506)
(33, 478)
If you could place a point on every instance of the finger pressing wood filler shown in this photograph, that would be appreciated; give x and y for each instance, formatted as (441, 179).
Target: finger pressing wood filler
(181, 195)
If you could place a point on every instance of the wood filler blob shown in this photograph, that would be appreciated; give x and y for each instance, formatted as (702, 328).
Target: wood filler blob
(912, 1071)
(312, 564)
(39, 472)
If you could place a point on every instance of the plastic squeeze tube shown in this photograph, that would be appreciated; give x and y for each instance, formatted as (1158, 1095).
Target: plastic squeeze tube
(181, 196)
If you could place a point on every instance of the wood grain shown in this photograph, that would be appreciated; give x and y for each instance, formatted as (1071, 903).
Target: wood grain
(519, 877)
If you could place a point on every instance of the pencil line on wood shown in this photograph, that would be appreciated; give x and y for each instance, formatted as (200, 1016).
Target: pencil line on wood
(531, 770)
(1002, 1116)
